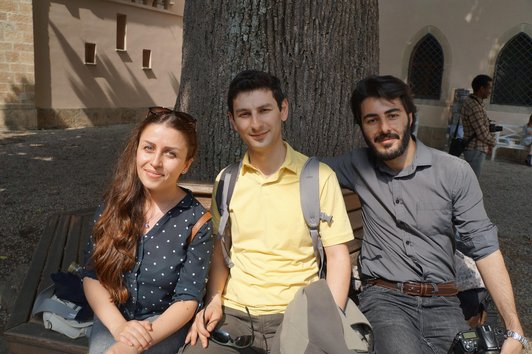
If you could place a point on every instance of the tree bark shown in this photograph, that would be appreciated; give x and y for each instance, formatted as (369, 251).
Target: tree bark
(318, 49)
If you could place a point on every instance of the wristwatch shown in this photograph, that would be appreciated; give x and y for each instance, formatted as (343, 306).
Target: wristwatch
(521, 339)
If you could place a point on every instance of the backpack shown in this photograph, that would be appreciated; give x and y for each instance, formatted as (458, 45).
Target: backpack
(310, 205)
(312, 323)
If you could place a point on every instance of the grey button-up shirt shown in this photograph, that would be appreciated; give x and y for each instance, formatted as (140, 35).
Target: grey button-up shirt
(408, 215)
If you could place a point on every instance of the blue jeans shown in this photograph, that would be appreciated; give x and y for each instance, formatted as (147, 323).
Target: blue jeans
(476, 159)
(411, 324)
(101, 340)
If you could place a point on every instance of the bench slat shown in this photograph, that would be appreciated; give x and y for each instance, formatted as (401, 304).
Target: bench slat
(55, 255)
(78, 231)
(35, 339)
(24, 303)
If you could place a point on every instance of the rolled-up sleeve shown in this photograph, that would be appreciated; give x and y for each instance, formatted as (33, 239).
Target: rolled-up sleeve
(478, 233)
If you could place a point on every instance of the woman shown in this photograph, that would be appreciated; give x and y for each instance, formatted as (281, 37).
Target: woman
(144, 276)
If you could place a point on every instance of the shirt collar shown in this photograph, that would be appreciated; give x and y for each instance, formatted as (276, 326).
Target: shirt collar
(422, 158)
(479, 100)
(185, 203)
(289, 164)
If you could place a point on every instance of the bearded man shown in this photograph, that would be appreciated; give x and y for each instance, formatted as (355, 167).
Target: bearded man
(414, 199)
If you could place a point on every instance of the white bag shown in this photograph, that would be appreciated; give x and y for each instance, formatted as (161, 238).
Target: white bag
(59, 315)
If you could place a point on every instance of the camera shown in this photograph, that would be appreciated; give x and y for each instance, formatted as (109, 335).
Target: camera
(482, 340)
(495, 128)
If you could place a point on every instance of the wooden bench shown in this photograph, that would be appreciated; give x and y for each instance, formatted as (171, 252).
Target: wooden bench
(63, 242)
(509, 138)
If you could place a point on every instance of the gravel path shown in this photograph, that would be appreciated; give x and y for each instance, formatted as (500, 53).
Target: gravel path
(42, 172)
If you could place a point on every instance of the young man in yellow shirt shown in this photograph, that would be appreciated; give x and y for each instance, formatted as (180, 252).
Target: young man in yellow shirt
(271, 249)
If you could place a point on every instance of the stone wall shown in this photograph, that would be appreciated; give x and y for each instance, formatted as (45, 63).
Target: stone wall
(17, 78)
(87, 117)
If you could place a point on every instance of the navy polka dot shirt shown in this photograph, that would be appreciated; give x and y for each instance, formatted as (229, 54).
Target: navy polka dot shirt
(167, 269)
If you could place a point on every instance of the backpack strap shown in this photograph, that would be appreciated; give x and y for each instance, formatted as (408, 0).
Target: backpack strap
(224, 192)
(309, 191)
(197, 226)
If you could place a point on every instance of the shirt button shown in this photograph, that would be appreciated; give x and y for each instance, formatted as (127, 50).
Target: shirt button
(408, 243)
(397, 201)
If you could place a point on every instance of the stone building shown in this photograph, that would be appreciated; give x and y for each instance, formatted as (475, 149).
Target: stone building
(440, 46)
(17, 71)
(87, 62)
(92, 62)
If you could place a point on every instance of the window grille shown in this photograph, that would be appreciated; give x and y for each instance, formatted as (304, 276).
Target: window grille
(512, 82)
(425, 71)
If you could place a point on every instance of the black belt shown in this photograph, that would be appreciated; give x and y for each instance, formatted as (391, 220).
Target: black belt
(417, 289)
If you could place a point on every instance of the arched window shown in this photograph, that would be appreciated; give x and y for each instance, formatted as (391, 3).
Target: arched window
(512, 82)
(425, 70)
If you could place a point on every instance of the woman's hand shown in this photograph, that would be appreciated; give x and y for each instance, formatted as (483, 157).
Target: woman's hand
(135, 334)
(205, 322)
(121, 348)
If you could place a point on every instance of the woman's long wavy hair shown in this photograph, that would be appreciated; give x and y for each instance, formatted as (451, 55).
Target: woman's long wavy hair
(120, 225)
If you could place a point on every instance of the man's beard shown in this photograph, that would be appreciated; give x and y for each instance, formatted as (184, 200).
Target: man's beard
(390, 155)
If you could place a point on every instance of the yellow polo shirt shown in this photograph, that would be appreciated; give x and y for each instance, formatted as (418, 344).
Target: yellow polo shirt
(271, 245)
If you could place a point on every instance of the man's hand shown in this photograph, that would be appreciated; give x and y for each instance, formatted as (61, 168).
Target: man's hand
(511, 346)
(205, 322)
(135, 334)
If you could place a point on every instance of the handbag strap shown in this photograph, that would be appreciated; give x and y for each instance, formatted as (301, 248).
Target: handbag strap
(458, 124)
(456, 129)
(201, 221)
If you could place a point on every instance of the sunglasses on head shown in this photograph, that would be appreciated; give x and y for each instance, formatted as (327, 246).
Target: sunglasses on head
(157, 111)
(219, 336)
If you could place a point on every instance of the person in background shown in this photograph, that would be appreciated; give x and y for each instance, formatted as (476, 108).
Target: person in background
(477, 124)
(144, 273)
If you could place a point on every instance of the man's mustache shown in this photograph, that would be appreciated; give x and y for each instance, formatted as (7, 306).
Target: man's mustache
(382, 137)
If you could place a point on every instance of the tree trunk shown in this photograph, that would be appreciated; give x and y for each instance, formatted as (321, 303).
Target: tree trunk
(318, 49)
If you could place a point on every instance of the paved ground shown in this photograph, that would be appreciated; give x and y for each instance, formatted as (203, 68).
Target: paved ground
(42, 172)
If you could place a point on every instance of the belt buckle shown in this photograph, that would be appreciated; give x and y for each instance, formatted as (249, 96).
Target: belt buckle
(400, 287)
(435, 289)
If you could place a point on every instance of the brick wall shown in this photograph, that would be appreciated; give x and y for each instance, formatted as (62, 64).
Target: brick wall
(17, 78)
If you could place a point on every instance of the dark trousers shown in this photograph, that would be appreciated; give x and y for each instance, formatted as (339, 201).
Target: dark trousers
(237, 323)
(411, 324)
